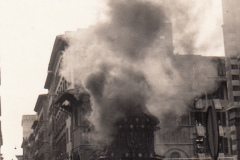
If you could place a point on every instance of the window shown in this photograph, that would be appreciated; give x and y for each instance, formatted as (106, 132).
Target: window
(236, 88)
(223, 145)
(221, 118)
(200, 145)
(236, 98)
(175, 155)
(235, 77)
(235, 66)
(198, 118)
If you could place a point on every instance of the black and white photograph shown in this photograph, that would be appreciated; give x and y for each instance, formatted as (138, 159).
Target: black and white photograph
(119, 80)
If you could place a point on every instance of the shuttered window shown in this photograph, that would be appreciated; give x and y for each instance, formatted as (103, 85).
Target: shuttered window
(225, 145)
(236, 98)
(235, 77)
(234, 66)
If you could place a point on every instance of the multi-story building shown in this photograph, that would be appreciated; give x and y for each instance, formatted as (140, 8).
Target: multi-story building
(36, 140)
(231, 33)
(40, 126)
(28, 148)
(59, 120)
(27, 122)
(69, 129)
(67, 104)
(187, 138)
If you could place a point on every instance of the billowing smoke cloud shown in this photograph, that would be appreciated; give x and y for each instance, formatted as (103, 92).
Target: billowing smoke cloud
(133, 27)
(196, 26)
(126, 64)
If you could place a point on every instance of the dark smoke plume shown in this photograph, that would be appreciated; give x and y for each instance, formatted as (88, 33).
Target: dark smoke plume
(126, 65)
(133, 27)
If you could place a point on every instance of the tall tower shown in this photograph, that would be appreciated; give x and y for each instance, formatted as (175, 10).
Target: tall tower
(27, 121)
(231, 33)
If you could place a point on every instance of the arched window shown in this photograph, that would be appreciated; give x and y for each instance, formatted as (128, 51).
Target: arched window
(175, 155)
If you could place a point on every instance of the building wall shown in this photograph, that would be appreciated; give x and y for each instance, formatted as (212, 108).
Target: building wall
(36, 144)
(40, 131)
(58, 128)
(231, 32)
(185, 136)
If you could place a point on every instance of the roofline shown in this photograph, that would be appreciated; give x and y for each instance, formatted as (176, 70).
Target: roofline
(59, 45)
(29, 115)
(38, 106)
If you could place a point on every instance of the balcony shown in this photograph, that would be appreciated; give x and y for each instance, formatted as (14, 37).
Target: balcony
(61, 87)
(199, 104)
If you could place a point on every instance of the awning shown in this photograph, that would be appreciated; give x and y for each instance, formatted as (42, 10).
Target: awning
(199, 104)
(67, 95)
(200, 131)
(217, 104)
(66, 99)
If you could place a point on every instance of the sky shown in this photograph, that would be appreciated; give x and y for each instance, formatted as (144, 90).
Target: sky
(27, 32)
(28, 29)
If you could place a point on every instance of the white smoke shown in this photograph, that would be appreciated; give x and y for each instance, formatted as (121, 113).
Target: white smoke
(125, 65)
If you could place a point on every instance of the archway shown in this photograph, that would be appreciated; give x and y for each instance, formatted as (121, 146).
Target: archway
(176, 153)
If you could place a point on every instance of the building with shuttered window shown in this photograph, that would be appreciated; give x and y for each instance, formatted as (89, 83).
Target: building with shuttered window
(231, 33)
(187, 138)
(70, 132)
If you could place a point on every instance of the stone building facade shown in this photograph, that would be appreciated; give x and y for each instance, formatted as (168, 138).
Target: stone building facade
(27, 122)
(40, 127)
(231, 33)
(59, 120)
(186, 137)
(68, 131)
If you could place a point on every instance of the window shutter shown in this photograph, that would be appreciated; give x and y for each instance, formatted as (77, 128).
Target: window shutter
(225, 145)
